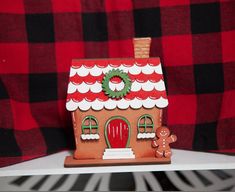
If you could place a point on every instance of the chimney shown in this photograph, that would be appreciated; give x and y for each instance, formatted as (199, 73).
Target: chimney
(142, 47)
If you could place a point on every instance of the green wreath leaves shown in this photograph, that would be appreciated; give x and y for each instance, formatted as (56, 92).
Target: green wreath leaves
(116, 73)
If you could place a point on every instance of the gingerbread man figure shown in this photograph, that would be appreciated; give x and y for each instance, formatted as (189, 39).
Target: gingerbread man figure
(163, 141)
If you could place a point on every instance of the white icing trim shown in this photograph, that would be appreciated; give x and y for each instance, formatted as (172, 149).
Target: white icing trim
(160, 85)
(135, 86)
(148, 103)
(71, 105)
(73, 71)
(116, 86)
(148, 69)
(136, 103)
(83, 71)
(84, 105)
(148, 86)
(158, 69)
(145, 135)
(134, 70)
(83, 88)
(161, 102)
(97, 105)
(96, 71)
(108, 68)
(110, 104)
(96, 87)
(122, 104)
(90, 136)
(71, 88)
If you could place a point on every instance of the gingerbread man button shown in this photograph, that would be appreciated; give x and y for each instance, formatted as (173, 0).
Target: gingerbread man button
(163, 141)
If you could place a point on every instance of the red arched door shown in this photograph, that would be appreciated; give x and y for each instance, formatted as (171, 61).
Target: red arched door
(117, 132)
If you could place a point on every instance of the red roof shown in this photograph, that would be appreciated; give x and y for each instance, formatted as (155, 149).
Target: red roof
(85, 89)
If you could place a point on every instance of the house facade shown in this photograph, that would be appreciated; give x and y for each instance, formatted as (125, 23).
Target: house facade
(116, 106)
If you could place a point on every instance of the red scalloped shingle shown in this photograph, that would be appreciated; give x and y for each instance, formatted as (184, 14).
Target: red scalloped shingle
(102, 63)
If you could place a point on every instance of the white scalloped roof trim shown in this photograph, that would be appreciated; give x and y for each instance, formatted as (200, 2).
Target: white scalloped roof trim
(110, 104)
(116, 86)
(134, 70)
(97, 87)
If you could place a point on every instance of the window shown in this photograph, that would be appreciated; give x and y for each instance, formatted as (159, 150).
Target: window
(90, 128)
(145, 127)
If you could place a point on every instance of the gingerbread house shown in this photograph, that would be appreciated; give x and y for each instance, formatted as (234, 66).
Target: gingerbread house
(116, 107)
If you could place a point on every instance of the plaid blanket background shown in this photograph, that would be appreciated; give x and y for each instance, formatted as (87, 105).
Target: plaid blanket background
(194, 38)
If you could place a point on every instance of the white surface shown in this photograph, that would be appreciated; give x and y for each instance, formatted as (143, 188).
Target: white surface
(119, 153)
(181, 160)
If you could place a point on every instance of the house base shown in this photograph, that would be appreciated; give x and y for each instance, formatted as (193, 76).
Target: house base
(71, 162)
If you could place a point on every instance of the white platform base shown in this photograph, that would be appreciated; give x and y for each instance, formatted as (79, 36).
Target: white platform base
(119, 153)
(181, 160)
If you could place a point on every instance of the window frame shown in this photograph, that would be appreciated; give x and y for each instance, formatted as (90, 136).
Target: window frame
(90, 126)
(145, 125)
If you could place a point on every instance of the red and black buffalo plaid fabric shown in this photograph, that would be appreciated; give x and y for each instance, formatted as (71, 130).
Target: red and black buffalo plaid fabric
(38, 38)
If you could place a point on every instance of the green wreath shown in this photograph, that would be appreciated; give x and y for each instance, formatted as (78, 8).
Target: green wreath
(116, 73)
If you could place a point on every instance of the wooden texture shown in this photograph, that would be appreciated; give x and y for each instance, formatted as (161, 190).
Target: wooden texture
(71, 162)
(117, 133)
(94, 149)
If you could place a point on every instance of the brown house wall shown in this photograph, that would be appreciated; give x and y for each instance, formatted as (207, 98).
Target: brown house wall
(94, 149)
